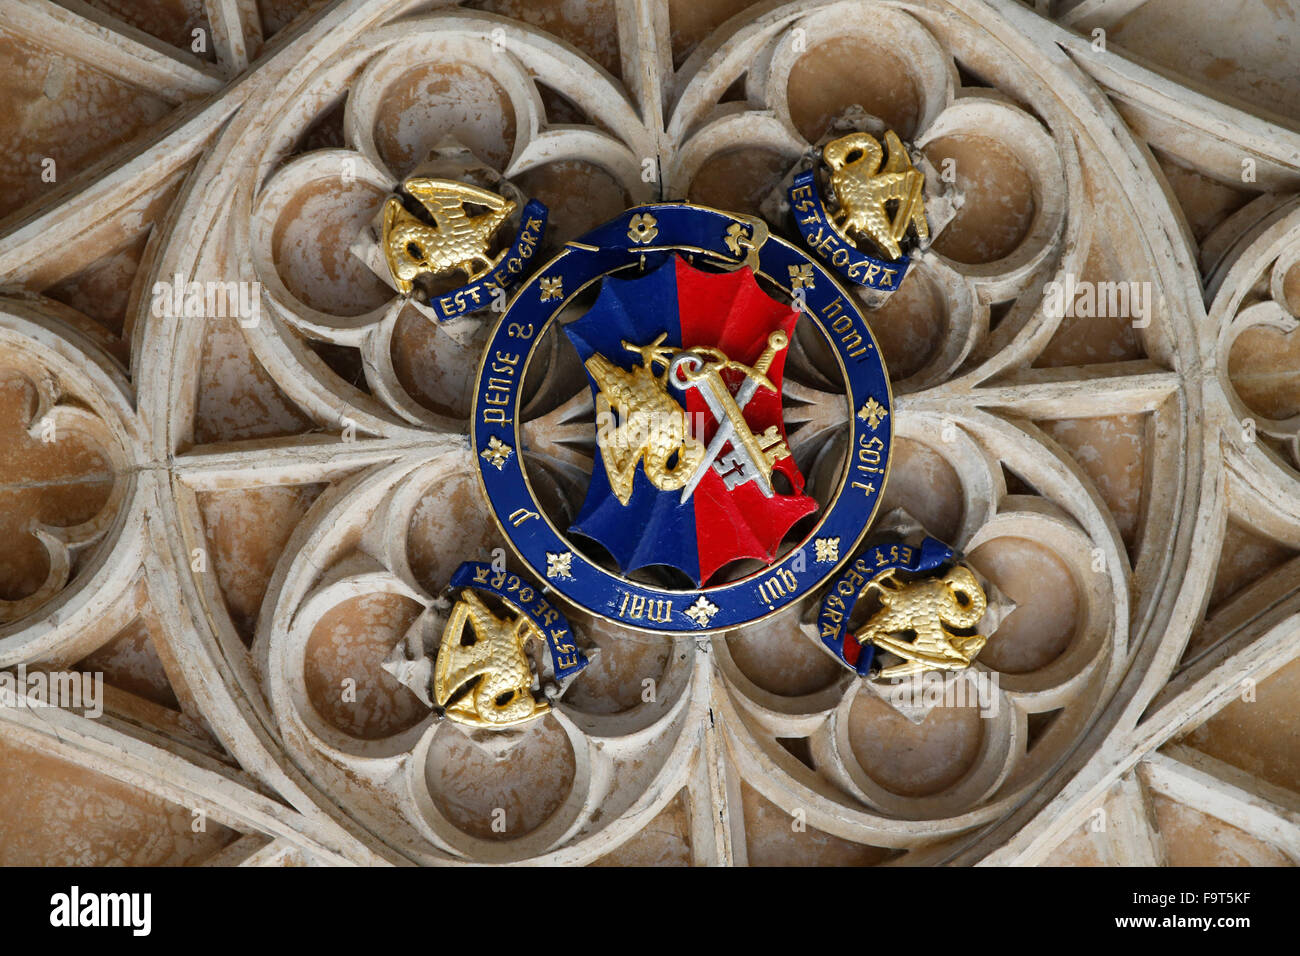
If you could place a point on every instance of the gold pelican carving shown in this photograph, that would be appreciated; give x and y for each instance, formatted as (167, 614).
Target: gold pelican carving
(457, 240)
(479, 647)
(863, 187)
(924, 608)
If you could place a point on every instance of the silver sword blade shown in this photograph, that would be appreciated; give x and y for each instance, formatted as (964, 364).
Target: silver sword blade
(721, 437)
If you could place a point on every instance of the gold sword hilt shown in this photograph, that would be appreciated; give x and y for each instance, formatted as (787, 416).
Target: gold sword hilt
(776, 341)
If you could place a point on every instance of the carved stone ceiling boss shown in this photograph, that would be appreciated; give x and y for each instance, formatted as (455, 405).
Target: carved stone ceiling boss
(650, 432)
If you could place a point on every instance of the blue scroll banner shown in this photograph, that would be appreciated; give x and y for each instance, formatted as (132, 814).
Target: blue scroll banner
(842, 596)
(566, 659)
(829, 244)
(511, 268)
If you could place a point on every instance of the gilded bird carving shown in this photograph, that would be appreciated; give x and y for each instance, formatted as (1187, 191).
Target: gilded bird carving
(923, 608)
(478, 644)
(862, 189)
(456, 241)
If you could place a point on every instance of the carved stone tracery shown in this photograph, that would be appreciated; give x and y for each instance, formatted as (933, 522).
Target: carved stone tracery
(1091, 465)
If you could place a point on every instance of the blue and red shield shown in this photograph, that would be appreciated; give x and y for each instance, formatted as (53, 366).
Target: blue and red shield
(692, 469)
(695, 501)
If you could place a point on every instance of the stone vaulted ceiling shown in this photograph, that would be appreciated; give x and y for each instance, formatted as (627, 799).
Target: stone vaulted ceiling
(232, 521)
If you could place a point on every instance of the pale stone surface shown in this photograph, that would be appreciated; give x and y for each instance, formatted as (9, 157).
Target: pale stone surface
(1197, 839)
(59, 814)
(60, 110)
(1257, 732)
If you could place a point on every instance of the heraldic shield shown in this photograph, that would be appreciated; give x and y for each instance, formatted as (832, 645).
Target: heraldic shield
(693, 470)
